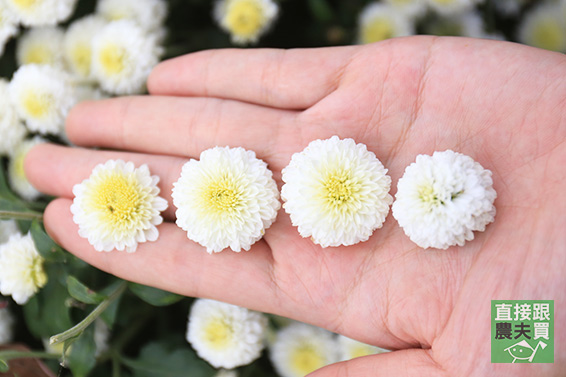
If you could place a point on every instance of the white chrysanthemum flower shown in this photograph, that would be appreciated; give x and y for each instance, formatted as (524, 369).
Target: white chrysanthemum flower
(378, 22)
(468, 24)
(544, 27)
(350, 348)
(8, 25)
(336, 191)
(442, 199)
(42, 45)
(227, 336)
(78, 44)
(245, 20)
(118, 206)
(41, 12)
(301, 349)
(122, 57)
(227, 199)
(16, 173)
(11, 127)
(6, 324)
(7, 229)
(147, 14)
(411, 8)
(43, 96)
(21, 268)
(451, 7)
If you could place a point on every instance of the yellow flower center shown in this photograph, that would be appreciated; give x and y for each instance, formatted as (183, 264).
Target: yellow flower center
(339, 192)
(119, 200)
(37, 105)
(223, 195)
(339, 188)
(305, 359)
(377, 30)
(19, 165)
(113, 59)
(444, 2)
(549, 35)
(81, 57)
(245, 18)
(430, 198)
(37, 273)
(218, 333)
(25, 4)
(38, 54)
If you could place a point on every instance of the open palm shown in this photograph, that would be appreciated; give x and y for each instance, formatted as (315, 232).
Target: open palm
(500, 103)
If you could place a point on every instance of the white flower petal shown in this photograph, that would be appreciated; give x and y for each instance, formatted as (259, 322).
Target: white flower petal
(245, 20)
(41, 12)
(378, 21)
(16, 174)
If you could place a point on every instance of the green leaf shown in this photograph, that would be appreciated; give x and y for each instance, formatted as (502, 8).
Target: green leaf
(82, 293)
(4, 367)
(81, 359)
(321, 10)
(46, 247)
(109, 315)
(166, 360)
(154, 296)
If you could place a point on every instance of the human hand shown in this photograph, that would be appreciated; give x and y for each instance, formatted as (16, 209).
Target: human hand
(500, 103)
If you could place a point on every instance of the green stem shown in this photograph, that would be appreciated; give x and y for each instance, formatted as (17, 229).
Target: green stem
(116, 370)
(9, 355)
(81, 326)
(21, 215)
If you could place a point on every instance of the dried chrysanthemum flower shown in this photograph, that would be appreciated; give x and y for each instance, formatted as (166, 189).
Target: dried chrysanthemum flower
(545, 27)
(43, 96)
(77, 44)
(21, 268)
(378, 22)
(227, 336)
(245, 20)
(442, 199)
(42, 45)
(300, 349)
(41, 12)
(11, 127)
(336, 191)
(226, 199)
(16, 173)
(350, 348)
(118, 206)
(123, 55)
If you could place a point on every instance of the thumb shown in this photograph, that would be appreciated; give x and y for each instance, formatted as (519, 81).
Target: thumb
(413, 362)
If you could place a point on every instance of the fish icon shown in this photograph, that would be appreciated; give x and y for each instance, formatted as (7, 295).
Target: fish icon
(524, 351)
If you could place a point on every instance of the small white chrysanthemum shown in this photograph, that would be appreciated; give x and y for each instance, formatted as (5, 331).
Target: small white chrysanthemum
(544, 27)
(118, 206)
(6, 324)
(21, 268)
(411, 8)
(468, 24)
(7, 229)
(43, 96)
(78, 44)
(227, 336)
(227, 199)
(451, 7)
(41, 12)
(11, 127)
(442, 199)
(42, 45)
(301, 349)
(147, 14)
(8, 25)
(350, 348)
(245, 20)
(378, 22)
(16, 174)
(336, 192)
(122, 57)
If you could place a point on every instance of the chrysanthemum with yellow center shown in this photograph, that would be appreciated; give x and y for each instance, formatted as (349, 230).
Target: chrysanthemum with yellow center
(78, 44)
(21, 268)
(442, 199)
(351, 349)
(16, 173)
(300, 349)
(226, 335)
(147, 14)
(41, 12)
(544, 27)
(379, 21)
(227, 199)
(245, 20)
(41, 45)
(336, 192)
(118, 206)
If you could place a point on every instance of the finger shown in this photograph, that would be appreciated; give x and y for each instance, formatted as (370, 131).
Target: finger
(54, 170)
(178, 126)
(288, 79)
(414, 362)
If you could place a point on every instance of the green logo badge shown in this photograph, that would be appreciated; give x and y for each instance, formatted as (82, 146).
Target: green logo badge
(522, 331)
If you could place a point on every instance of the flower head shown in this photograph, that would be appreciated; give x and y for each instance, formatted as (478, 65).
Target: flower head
(378, 22)
(42, 45)
(43, 96)
(21, 268)
(245, 20)
(442, 199)
(6, 323)
(350, 348)
(300, 349)
(227, 199)
(11, 127)
(77, 44)
(16, 173)
(227, 336)
(8, 25)
(544, 27)
(41, 12)
(336, 192)
(122, 57)
(118, 206)
(7, 229)
(147, 14)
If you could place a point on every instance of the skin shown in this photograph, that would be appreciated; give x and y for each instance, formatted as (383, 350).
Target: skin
(501, 103)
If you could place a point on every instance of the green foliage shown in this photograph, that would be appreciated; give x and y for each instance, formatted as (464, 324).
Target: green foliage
(154, 296)
(82, 293)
